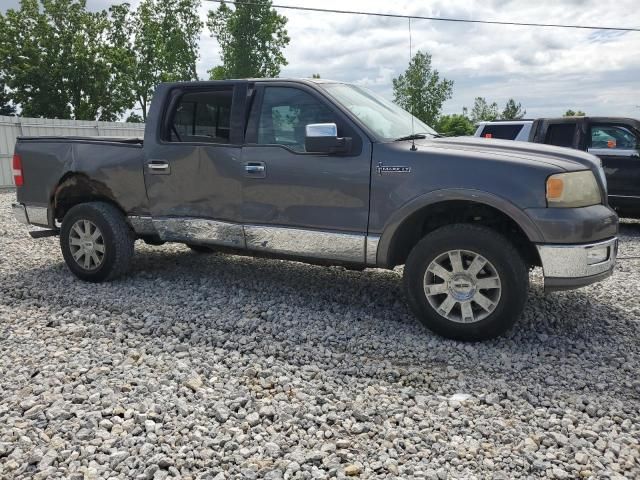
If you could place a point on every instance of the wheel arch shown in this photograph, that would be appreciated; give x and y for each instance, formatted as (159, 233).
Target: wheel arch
(443, 207)
(75, 188)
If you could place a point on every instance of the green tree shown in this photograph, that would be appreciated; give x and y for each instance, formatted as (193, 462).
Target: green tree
(217, 73)
(571, 113)
(157, 42)
(54, 59)
(455, 125)
(251, 36)
(513, 110)
(420, 90)
(134, 118)
(483, 111)
(6, 108)
(315, 75)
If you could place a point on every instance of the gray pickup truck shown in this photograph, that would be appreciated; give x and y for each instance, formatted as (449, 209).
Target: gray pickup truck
(327, 172)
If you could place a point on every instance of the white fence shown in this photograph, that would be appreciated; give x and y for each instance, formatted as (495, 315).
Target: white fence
(12, 127)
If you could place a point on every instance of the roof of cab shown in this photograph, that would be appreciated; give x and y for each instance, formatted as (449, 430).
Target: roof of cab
(253, 80)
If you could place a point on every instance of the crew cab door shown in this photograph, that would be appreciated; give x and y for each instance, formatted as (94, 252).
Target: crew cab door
(561, 132)
(301, 203)
(193, 166)
(617, 145)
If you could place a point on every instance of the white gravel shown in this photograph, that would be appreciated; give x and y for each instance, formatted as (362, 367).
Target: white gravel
(225, 367)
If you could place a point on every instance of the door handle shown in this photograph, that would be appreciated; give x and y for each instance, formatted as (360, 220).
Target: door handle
(255, 169)
(159, 167)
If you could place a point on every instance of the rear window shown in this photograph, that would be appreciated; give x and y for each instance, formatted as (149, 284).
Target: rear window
(561, 134)
(203, 117)
(503, 132)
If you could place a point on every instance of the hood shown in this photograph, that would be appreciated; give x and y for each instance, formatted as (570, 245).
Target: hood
(564, 158)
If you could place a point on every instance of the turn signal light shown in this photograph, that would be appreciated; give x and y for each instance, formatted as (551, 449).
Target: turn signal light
(18, 179)
(555, 186)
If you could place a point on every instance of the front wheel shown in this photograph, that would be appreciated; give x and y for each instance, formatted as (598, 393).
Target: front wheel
(466, 282)
(96, 242)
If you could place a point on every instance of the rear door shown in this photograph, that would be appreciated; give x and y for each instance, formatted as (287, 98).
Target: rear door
(296, 202)
(617, 145)
(561, 133)
(193, 170)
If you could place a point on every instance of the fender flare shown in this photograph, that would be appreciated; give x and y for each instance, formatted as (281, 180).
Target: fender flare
(517, 214)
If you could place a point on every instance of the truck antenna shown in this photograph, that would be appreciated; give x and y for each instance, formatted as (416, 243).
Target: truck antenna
(413, 129)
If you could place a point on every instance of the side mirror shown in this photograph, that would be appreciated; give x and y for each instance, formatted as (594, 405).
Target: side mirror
(323, 138)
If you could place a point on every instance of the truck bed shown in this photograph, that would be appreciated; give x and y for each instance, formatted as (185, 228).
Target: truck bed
(113, 164)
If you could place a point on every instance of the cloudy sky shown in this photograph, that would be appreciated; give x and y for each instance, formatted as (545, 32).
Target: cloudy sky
(548, 70)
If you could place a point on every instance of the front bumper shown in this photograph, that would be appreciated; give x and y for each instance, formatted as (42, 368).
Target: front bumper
(573, 266)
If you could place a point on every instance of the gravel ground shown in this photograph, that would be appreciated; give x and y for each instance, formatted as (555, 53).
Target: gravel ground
(222, 367)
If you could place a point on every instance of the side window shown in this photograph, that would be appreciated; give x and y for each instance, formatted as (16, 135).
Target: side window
(203, 117)
(613, 136)
(286, 112)
(561, 134)
(504, 132)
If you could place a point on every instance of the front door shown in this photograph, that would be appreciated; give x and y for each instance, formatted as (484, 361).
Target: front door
(300, 203)
(193, 173)
(617, 146)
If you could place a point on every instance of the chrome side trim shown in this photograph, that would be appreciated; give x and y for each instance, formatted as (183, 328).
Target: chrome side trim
(198, 230)
(625, 196)
(20, 213)
(571, 261)
(306, 243)
(142, 225)
(372, 249)
(38, 215)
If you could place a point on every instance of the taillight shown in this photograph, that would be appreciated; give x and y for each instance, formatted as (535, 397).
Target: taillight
(18, 179)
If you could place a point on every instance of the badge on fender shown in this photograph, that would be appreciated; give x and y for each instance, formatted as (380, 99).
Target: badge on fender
(380, 169)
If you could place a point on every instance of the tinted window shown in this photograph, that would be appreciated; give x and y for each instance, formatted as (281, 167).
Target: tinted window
(286, 112)
(561, 134)
(504, 132)
(613, 136)
(202, 117)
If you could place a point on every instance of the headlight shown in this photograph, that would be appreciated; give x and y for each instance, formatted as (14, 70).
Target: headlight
(573, 189)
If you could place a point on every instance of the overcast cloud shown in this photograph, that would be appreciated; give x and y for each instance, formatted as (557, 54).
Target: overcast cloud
(547, 69)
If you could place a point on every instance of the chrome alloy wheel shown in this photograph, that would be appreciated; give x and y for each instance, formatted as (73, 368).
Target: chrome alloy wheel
(86, 244)
(462, 286)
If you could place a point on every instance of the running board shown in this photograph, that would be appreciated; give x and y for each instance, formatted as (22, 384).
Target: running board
(44, 233)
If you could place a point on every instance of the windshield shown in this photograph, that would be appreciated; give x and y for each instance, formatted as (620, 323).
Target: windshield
(384, 118)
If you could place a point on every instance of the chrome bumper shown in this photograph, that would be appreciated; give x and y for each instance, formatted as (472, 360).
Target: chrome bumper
(573, 266)
(20, 212)
(31, 215)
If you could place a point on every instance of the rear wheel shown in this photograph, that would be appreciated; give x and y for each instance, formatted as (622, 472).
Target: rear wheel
(96, 242)
(466, 282)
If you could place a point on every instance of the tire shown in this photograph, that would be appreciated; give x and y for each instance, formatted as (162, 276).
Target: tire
(199, 248)
(115, 239)
(451, 308)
